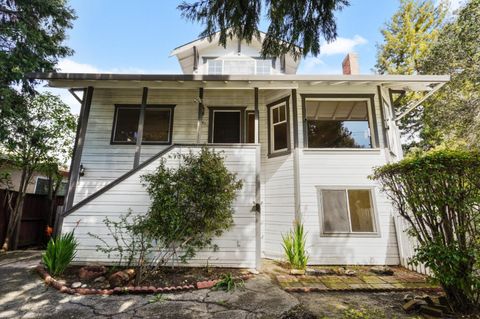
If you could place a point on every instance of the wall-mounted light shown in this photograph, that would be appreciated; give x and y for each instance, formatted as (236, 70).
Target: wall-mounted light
(82, 170)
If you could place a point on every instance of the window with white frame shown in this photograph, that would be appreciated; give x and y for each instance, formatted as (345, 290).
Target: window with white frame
(338, 123)
(278, 127)
(347, 211)
(263, 66)
(238, 67)
(215, 66)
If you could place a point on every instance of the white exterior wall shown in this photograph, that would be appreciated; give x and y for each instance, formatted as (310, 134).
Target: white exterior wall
(236, 247)
(104, 163)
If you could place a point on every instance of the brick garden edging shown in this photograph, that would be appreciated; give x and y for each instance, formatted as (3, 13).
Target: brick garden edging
(49, 280)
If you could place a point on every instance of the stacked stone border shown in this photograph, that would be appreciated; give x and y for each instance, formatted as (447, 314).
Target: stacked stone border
(49, 280)
(373, 289)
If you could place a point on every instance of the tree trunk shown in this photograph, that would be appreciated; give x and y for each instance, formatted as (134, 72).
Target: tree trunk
(13, 227)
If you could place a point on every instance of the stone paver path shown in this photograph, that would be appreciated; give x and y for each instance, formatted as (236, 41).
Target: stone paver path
(401, 280)
(24, 295)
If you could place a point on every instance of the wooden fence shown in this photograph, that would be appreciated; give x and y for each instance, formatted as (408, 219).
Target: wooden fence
(406, 246)
(35, 218)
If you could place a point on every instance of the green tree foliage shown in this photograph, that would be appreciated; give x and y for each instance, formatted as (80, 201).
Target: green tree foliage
(453, 115)
(33, 131)
(438, 194)
(31, 38)
(299, 24)
(191, 204)
(407, 39)
(409, 36)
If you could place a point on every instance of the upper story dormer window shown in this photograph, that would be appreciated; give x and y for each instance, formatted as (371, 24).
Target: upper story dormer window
(238, 66)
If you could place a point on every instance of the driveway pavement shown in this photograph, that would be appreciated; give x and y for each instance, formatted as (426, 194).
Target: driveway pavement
(24, 295)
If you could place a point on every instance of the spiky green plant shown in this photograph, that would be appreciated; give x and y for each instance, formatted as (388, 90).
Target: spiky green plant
(60, 253)
(294, 247)
(229, 283)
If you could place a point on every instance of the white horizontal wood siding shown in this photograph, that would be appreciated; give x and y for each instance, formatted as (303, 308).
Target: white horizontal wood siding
(277, 181)
(236, 247)
(345, 168)
(327, 168)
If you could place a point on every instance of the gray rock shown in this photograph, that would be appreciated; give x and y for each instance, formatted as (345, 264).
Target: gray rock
(100, 279)
(408, 297)
(76, 284)
(319, 272)
(84, 286)
(382, 270)
(350, 272)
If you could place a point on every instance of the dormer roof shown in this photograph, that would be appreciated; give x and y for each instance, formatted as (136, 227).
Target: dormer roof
(189, 53)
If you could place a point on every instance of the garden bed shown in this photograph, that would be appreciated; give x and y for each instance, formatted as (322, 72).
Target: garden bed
(165, 279)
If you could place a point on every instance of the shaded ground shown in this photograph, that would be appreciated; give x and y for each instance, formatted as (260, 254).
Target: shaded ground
(23, 295)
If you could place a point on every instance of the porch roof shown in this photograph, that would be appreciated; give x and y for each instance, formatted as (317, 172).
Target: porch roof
(185, 81)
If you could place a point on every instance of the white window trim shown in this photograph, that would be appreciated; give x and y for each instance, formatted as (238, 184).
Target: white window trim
(272, 126)
(237, 59)
(370, 123)
(376, 233)
(230, 111)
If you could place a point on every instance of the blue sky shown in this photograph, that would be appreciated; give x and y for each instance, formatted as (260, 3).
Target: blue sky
(118, 37)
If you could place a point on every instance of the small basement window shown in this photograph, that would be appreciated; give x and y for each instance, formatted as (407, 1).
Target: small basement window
(157, 124)
(338, 124)
(278, 130)
(347, 211)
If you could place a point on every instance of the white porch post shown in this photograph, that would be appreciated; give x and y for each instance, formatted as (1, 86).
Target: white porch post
(258, 199)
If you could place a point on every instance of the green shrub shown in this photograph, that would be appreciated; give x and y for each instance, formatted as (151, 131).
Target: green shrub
(191, 204)
(294, 247)
(438, 193)
(60, 253)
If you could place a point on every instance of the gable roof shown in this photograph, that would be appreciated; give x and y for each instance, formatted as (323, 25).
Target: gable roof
(204, 41)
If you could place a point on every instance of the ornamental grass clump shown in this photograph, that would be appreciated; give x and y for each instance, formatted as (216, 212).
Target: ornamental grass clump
(59, 253)
(438, 194)
(294, 247)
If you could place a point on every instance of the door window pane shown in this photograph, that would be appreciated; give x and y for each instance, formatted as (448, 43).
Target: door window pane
(361, 210)
(226, 126)
(126, 125)
(335, 214)
(156, 125)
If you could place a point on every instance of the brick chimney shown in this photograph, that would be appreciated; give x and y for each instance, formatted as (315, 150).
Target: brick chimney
(350, 64)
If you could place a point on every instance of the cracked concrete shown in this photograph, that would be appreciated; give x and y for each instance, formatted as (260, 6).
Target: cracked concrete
(24, 295)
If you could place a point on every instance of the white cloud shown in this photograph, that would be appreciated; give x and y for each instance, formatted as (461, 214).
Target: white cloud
(342, 45)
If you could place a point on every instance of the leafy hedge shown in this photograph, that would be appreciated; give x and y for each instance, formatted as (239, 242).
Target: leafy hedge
(438, 193)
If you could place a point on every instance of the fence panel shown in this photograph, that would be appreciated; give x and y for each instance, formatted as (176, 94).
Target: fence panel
(35, 217)
(406, 246)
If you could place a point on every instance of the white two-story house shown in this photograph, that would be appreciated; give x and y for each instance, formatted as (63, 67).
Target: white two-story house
(304, 146)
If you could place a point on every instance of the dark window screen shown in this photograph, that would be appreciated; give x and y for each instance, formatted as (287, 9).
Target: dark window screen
(226, 127)
(156, 125)
(126, 125)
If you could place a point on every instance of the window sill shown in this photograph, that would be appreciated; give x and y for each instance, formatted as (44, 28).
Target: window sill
(342, 150)
(352, 235)
(282, 153)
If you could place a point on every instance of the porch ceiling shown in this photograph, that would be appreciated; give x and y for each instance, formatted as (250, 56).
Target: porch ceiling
(192, 81)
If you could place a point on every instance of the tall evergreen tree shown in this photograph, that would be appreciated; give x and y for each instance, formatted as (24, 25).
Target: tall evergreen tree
(408, 38)
(32, 33)
(299, 24)
(409, 35)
